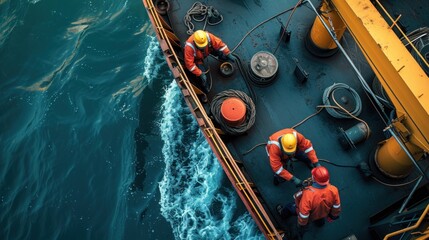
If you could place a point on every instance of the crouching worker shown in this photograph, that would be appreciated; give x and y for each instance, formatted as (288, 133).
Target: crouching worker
(198, 46)
(285, 145)
(314, 203)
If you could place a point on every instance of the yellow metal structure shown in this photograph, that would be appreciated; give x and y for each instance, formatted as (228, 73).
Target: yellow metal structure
(392, 160)
(318, 33)
(401, 76)
(423, 235)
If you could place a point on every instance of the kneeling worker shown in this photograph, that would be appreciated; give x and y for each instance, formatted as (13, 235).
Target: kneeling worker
(285, 145)
(198, 46)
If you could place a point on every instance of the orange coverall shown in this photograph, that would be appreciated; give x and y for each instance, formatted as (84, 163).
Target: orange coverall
(276, 155)
(316, 202)
(194, 56)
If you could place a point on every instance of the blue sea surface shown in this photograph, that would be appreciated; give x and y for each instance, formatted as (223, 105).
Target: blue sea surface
(96, 141)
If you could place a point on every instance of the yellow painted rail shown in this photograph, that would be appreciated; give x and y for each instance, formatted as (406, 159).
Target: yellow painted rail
(422, 217)
(167, 41)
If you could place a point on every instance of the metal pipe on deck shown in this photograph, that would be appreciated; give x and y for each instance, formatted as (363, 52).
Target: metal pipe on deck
(401, 77)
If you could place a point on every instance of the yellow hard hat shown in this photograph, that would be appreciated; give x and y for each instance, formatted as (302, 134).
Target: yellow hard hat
(200, 39)
(288, 143)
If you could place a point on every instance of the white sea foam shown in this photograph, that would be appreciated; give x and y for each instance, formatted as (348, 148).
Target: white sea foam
(193, 200)
(152, 57)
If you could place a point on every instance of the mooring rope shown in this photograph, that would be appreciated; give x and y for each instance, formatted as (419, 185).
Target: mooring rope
(250, 111)
(200, 12)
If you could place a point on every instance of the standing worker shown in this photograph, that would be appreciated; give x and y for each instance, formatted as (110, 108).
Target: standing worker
(198, 46)
(282, 147)
(314, 203)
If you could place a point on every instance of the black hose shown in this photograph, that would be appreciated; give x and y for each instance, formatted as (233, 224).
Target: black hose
(338, 165)
(245, 75)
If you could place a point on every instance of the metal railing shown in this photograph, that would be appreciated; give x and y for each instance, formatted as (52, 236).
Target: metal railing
(230, 166)
(410, 228)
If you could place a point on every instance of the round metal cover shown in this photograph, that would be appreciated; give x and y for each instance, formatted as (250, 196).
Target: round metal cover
(226, 69)
(264, 64)
(344, 98)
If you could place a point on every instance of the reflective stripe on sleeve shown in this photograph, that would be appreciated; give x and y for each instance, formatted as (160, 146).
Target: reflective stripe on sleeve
(223, 48)
(297, 194)
(274, 142)
(193, 68)
(309, 149)
(303, 216)
(192, 46)
(336, 206)
(279, 171)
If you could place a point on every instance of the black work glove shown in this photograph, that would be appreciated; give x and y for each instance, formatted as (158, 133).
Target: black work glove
(296, 181)
(316, 165)
(203, 77)
(231, 57)
(331, 218)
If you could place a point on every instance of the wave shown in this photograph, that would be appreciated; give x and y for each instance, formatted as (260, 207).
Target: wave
(66, 148)
(193, 199)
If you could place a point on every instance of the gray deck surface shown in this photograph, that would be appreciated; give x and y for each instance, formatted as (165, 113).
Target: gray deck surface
(286, 102)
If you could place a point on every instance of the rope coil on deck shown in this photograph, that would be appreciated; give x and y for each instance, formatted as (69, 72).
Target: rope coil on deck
(339, 112)
(250, 111)
(200, 12)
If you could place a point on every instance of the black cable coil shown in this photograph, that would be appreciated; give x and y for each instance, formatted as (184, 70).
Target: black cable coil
(250, 111)
(259, 81)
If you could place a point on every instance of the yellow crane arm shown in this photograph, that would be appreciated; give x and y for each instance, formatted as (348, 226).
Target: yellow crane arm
(403, 79)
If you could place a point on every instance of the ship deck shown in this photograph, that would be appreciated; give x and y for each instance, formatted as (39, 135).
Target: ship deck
(288, 101)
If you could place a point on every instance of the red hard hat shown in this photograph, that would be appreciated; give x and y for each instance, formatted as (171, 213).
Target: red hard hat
(320, 175)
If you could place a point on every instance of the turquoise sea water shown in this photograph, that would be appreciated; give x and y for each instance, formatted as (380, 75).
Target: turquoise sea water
(95, 139)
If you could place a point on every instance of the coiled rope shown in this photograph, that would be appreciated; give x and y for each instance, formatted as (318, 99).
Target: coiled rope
(250, 111)
(341, 112)
(200, 12)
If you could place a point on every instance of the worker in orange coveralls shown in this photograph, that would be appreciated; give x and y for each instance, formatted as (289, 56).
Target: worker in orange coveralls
(314, 203)
(283, 147)
(198, 46)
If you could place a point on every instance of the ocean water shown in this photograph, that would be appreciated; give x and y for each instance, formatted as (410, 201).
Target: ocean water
(95, 139)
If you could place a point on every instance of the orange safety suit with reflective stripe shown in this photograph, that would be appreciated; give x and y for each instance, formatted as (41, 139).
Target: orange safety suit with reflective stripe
(276, 155)
(194, 56)
(316, 202)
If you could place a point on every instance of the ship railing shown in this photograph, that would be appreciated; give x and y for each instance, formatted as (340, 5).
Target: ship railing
(410, 229)
(243, 187)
